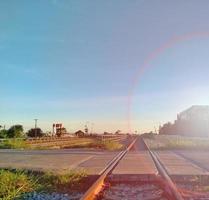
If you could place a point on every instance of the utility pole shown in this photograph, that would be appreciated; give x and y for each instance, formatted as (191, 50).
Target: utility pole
(155, 130)
(36, 127)
(92, 125)
(86, 128)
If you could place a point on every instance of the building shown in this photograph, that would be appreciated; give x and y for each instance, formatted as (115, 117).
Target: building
(193, 121)
(80, 133)
(195, 113)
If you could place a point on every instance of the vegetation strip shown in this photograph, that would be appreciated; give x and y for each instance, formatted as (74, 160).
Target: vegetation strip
(107, 144)
(15, 184)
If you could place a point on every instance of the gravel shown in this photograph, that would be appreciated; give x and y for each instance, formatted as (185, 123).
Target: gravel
(193, 192)
(133, 191)
(51, 196)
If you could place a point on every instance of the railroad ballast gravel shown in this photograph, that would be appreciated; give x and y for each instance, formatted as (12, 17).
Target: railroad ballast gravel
(52, 196)
(132, 191)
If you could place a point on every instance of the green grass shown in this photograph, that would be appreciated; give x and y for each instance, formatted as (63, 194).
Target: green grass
(14, 184)
(62, 182)
(83, 143)
(13, 144)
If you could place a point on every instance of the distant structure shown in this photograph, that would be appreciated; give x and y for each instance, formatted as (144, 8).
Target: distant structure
(192, 122)
(79, 133)
(195, 113)
(59, 130)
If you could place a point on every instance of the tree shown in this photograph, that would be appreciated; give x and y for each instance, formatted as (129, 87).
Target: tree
(15, 131)
(118, 132)
(167, 129)
(3, 133)
(35, 132)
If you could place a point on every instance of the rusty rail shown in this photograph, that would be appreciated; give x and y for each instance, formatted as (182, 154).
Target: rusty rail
(97, 186)
(170, 187)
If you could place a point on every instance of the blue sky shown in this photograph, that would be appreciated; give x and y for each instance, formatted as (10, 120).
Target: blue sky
(79, 61)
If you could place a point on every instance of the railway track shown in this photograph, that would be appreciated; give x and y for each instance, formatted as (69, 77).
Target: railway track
(164, 189)
(169, 185)
(95, 189)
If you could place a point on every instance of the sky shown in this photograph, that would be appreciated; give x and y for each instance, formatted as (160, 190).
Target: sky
(127, 65)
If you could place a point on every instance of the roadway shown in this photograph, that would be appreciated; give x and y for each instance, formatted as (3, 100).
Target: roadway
(93, 161)
(136, 162)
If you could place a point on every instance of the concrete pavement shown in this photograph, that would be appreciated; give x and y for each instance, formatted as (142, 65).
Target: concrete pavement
(93, 161)
(135, 166)
(177, 165)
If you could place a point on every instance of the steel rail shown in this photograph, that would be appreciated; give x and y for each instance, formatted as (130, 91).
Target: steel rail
(170, 187)
(98, 184)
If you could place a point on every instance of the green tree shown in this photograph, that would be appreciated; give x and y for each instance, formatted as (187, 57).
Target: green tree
(35, 132)
(15, 131)
(3, 133)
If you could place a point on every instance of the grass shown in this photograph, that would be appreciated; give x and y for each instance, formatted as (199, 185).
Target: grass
(62, 182)
(99, 144)
(13, 144)
(112, 145)
(14, 184)
(81, 143)
(109, 145)
(165, 142)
